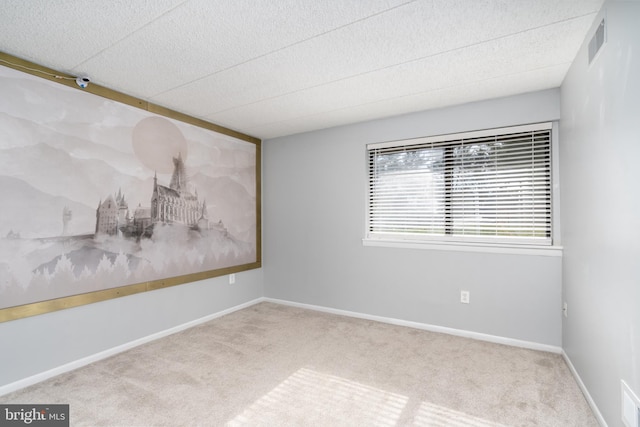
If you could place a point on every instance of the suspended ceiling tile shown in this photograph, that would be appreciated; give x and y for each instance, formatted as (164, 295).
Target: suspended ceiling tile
(437, 98)
(63, 34)
(203, 37)
(442, 72)
(294, 65)
(402, 35)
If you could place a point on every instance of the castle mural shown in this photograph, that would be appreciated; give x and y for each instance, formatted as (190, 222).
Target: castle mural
(104, 195)
(172, 205)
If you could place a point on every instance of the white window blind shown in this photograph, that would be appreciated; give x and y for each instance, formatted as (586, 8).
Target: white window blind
(488, 186)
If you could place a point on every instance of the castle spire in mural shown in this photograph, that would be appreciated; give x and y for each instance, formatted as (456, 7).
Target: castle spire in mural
(175, 204)
(179, 177)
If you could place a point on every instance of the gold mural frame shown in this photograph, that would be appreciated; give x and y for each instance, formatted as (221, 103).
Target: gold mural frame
(47, 306)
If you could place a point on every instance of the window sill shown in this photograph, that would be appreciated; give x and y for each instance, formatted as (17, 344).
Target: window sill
(554, 251)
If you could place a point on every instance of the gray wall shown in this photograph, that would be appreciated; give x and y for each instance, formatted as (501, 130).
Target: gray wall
(600, 178)
(36, 344)
(314, 218)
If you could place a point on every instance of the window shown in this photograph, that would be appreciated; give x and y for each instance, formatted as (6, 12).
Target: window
(490, 186)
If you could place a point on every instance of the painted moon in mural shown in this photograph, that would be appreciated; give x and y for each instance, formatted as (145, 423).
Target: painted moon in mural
(156, 141)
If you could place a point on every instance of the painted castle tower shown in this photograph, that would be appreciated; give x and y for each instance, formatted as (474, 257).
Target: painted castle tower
(107, 217)
(112, 214)
(176, 204)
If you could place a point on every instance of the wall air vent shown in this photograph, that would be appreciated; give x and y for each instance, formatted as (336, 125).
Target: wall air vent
(630, 407)
(596, 42)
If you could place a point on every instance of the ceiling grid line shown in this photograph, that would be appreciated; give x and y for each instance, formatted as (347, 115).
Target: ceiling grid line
(130, 34)
(283, 48)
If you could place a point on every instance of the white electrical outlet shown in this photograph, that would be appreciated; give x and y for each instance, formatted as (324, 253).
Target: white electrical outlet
(565, 310)
(232, 279)
(464, 297)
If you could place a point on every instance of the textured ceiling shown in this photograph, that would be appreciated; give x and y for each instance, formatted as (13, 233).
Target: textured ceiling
(279, 67)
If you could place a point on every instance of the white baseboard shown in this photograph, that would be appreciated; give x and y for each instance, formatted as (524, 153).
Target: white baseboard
(585, 392)
(34, 379)
(433, 328)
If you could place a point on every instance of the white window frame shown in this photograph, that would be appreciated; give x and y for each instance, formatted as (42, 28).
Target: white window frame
(472, 243)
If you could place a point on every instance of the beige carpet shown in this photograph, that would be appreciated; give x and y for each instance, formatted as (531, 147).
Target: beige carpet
(274, 365)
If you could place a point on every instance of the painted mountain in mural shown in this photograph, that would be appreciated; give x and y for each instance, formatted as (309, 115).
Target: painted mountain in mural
(33, 213)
